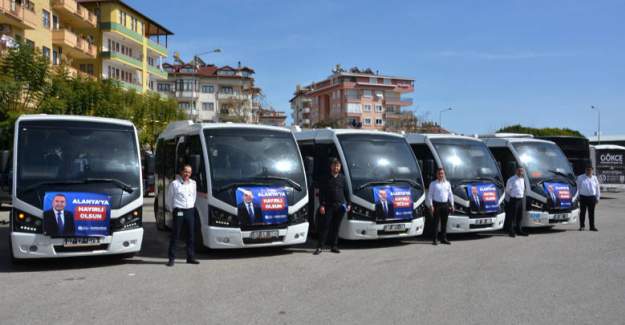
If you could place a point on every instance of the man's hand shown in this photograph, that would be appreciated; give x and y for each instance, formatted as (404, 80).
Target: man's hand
(322, 210)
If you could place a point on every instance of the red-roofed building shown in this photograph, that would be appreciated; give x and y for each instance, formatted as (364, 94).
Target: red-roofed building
(210, 93)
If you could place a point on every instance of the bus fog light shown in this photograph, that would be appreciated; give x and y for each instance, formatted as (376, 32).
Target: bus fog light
(126, 243)
(226, 240)
(364, 232)
(296, 236)
(33, 248)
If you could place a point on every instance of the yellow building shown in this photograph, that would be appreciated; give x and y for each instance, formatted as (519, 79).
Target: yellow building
(105, 39)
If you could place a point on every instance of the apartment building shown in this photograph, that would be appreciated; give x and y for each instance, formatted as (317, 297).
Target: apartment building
(104, 39)
(210, 93)
(270, 116)
(132, 46)
(354, 97)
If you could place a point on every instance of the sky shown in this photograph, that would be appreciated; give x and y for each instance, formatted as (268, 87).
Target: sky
(495, 63)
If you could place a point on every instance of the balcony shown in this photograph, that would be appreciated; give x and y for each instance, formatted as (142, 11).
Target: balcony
(16, 15)
(306, 110)
(232, 97)
(156, 72)
(124, 59)
(73, 45)
(74, 14)
(398, 101)
(123, 31)
(158, 48)
(186, 94)
(129, 85)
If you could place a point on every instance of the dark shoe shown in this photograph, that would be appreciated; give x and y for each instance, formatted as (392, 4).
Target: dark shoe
(335, 250)
(317, 251)
(192, 261)
(581, 229)
(445, 241)
(170, 263)
(594, 229)
(434, 242)
(520, 232)
(512, 234)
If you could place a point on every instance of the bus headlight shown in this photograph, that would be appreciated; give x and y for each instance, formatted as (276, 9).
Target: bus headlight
(535, 205)
(359, 213)
(299, 216)
(24, 222)
(220, 218)
(132, 220)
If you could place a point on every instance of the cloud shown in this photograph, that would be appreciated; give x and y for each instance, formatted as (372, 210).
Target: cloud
(518, 55)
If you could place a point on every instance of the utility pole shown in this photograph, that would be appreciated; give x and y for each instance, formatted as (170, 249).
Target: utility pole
(598, 123)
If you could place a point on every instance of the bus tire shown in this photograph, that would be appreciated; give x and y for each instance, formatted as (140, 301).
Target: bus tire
(159, 217)
(198, 239)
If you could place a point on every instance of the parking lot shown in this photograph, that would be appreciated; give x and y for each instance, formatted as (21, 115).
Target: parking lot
(553, 276)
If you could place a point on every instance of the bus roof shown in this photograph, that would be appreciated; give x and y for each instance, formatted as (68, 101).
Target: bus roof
(189, 127)
(420, 137)
(46, 117)
(329, 133)
(608, 147)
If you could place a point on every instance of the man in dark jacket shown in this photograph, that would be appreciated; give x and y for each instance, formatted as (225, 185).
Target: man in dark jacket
(57, 222)
(248, 212)
(334, 201)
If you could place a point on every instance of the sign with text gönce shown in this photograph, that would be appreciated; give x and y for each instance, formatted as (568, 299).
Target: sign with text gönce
(76, 214)
(262, 205)
(610, 166)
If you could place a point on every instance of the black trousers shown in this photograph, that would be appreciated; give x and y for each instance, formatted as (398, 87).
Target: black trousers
(441, 214)
(329, 225)
(514, 214)
(587, 203)
(182, 217)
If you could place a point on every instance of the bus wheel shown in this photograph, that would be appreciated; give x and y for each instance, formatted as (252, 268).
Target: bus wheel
(199, 240)
(159, 217)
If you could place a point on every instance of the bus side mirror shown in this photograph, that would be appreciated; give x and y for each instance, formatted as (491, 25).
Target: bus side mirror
(194, 161)
(309, 163)
(150, 164)
(4, 161)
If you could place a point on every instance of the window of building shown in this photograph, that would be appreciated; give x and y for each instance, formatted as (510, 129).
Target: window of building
(379, 108)
(166, 87)
(56, 60)
(367, 121)
(208, 107)
(366, 93)
(353, 108)
(150, 60)
(367, 108)
(373, 80)
(227, 90)
(387, 81)
(208, 89)
(122, 18)
(378, 121)
(55, 22)
(185, 105)
(352, 94)
(46, 52)
(45, 18)
(379, 94)
(87, 68)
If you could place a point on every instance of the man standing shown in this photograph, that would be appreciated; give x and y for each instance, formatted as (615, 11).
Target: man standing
(441, 201)
(58, 222)
(589, 195)
(515, 191)
(333, 197)
(383, 208)
(180, 200)
(248, 212)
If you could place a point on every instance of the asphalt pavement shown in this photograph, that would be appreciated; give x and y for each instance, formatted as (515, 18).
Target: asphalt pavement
(554, 276)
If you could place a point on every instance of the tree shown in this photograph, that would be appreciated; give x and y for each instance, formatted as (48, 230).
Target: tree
(540, 131)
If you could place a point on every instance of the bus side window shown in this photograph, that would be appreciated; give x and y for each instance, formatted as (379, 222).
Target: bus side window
(194, 147)
(504, 156)
(423, 153)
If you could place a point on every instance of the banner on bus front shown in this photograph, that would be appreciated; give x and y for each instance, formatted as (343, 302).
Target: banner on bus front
(262, 205)
(483, 197)
(559, 194)
(76, 214)
(392, 202)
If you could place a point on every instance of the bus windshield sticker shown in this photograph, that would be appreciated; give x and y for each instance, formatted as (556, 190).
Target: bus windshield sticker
(559, 194)
(400, 199)
(262, 205)
(76, 214)
(483, 197)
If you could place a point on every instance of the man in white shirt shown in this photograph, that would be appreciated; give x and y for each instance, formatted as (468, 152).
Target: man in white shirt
(180, 200)
(515, 192)
(440, 199)
(589, 195)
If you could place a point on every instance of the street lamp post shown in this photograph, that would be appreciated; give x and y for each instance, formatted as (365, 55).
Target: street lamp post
(440, 116)
(598, 123)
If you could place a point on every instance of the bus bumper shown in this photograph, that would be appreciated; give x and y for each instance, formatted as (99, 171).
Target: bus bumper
(462, 224)
(27, 245)
(359, 230)
(537, 219)
(227, 238)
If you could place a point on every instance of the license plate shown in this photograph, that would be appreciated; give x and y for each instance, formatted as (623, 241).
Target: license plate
(264, 234)
(395, 227)
(483, 221)
(560, 216)
(82, 241)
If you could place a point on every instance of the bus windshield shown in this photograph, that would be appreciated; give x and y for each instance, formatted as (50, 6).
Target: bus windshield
(374, 158)
(54, 153)
(543, 161)
(258, 157)
(466, 160)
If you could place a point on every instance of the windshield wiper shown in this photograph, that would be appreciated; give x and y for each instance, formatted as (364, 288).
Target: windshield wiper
(291, 182)
(389, 181)
(237, 184)
(115, 181)
(569, 177)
